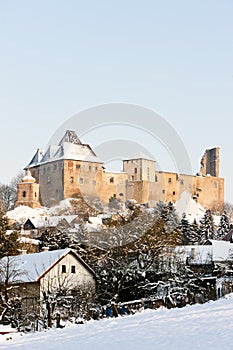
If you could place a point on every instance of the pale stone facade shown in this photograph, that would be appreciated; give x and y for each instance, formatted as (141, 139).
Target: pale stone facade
(72, 169)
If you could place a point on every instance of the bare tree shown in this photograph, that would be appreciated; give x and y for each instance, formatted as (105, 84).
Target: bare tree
(8, 193)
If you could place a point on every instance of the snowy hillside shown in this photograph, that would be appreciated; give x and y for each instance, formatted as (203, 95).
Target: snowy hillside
(207, 326)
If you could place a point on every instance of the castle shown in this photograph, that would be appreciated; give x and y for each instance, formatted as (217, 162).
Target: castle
(71, 169)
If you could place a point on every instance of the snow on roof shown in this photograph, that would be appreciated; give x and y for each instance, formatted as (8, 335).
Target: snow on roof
(202, 254)
(70, 147)
(221, 249)
(186, 204)
(199, 254)
(33, 266)
(28, 240)
(140, 155)
(23, 212)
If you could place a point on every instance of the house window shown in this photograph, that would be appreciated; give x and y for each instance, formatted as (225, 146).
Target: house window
(163, 191)
(121, 194)
(174, 192)
(135, 170)
(132, 178)
(35, 194)
(181, 182)
(169, 179)
(78, 166)
(81, 181)
(63, 268)
(89, 167)
(111, 179)
(71, 179)
(156, 178)
(73, 269)
(24, 194)
(96, 168)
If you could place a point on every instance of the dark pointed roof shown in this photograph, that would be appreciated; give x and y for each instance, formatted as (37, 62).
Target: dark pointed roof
(228, 237)
(36, 158)
(70, 147)
(70, 137)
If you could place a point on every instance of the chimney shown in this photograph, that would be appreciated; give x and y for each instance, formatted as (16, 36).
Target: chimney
(22, 251)
(45, 249)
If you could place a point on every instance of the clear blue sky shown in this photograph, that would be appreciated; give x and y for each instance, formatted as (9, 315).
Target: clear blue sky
(59, 57)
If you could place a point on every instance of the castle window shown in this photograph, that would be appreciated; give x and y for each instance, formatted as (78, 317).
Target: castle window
(71, 179)
(73, 269)
(81, 180)
(63, 268)
(24, 194)
(170, 180)
(135, 170)
(70, 164)
(111, 179)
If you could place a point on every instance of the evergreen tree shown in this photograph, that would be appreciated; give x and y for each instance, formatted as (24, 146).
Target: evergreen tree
(186, 229)
(207, 226)
(224, 226)
(8, 242)
(194, 235)
(167, 213)
(54, 239)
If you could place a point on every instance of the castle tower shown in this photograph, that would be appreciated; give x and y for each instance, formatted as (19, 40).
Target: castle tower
(210, 162)
(28, 191)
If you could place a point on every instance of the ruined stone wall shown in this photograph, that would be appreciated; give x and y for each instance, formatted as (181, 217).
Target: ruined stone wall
(210, 192)
(210, 162)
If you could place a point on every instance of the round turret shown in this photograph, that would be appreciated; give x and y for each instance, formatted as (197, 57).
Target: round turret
(28, 177)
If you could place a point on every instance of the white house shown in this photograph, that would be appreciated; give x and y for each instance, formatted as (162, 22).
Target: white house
(47, 271)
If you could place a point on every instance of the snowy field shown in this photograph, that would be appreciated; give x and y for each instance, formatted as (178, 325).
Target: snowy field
(208, 326)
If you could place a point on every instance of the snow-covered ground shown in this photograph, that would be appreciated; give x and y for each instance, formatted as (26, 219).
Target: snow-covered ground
(207, 326)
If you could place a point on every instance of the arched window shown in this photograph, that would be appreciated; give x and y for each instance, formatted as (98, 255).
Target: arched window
(24, 194)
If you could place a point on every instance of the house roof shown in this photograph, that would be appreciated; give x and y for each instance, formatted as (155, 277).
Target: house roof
(212, 250)
(228, 237)
(140, 155)
(32, 267)
(70, 147)
(50, 221)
